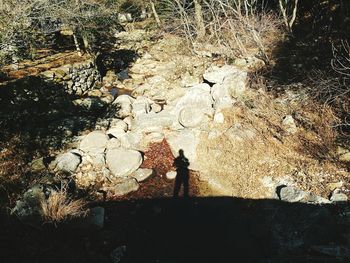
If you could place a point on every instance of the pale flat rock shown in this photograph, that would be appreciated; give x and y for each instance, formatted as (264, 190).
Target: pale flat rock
(113, 143)
(141, 106)
(122, 186)
(94, 142)
(123, 162)
(153, 122)
(116, 132)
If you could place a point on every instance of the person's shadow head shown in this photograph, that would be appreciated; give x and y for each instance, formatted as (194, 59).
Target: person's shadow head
(182, 174)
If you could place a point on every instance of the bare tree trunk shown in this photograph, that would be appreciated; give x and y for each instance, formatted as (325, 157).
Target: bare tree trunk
(199, 19)
(155, 14)
(76, 43)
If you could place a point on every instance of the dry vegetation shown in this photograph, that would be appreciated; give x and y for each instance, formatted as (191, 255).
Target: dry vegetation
(60, 207)
(261, 148)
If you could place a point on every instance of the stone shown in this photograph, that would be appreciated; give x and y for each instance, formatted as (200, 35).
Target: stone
(122, 186)
(219, 91)
(123, 162)
(171, 175)
(153, 122)
(291, 194)
(37, 165)
(67, 162)
(333, 186)
(343, 154)
(97, 217)
(90, 104)
(116, 132)
(131, 140)
(150, 138)
(337, 196)
(119, 124)
(128, 120)
(190, 117)
(113, 143)
(216, 74)
(123, 104)
(236, 84)
(289, 125)
(142, 174)
(156, 108)
(198, 97)
(186, 140)
(94, 142)
(140, 106)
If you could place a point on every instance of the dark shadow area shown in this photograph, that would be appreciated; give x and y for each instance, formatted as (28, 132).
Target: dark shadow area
(182, 175)
(319, 25)
(216, 229)
(117, 60)
(37, 117)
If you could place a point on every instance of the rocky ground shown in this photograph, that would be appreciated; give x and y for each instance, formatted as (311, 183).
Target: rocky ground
(115, 145)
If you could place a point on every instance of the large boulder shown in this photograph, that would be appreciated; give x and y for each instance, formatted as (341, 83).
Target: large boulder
(142, 174)
(197, 97)
(190, 117)
(123, 162)
(95, 142)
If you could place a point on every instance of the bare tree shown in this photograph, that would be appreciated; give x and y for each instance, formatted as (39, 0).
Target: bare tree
(289, 11)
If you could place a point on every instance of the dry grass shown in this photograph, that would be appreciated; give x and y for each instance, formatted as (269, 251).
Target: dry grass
(241, 163)
(59, 207)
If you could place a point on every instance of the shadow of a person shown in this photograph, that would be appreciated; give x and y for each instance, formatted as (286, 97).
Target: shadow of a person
(182, 174)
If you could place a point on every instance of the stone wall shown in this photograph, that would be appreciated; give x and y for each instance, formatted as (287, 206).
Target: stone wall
(77, 78)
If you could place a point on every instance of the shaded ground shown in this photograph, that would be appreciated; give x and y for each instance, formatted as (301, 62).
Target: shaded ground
(194, 230)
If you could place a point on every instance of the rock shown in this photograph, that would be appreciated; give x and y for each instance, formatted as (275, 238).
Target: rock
(113, 143)
(116, 132)
(191, 117)
(67, 162)
(198, 97)
(187, 140)
(119, 124)
(337, 196)
(171, 175)
(118, 254)
(289, 125)
(37, 165)
(97, 217)
(343, 154)
(249, 63)
(140, 106)
(236, 84)
(90, 104)
(216, 75)
(122, 186)
(156, 108)
(94, 142)
(122, 162)
(123, 104)
(142, 174)
(291, 194)
(131, 140)
(128, 120)
(219, 92)
(153, 122)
